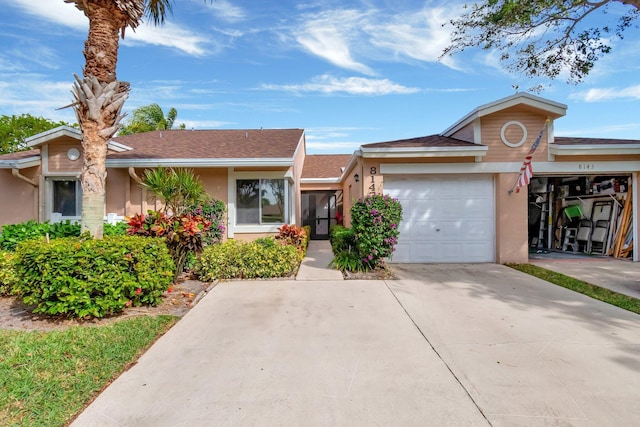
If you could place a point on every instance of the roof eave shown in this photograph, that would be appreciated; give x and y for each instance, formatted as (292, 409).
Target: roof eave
(594, 150)
(54, 133)
(200, 162)
(26, 163)
(320, 180)
(400, 153)
(554, 109)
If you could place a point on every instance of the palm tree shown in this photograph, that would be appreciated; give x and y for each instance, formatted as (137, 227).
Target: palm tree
(149, 118)
(99, 96)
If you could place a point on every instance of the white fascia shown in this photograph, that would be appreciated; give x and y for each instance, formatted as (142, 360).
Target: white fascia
(559, 168)
(199, 162)
(117, 147)
(594, 149)
(28, 162)
(320, 180)
(555, 109)
(54, 133)
(407, 152)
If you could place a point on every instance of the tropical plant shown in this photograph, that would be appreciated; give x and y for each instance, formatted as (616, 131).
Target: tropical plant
(293, 235)
(213, 210)
(184, 234)
(149, 118)
(180, 189)
(99, 95)
(544, 37)
(15, 129)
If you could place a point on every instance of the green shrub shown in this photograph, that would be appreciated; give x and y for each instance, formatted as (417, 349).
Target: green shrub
(260, 261)
(262, 258)
(341, 238)
(8, 275)
(221, 261)
(343, 245)
(375, 220)
(87, 277)
(117, 229)
(12, 234)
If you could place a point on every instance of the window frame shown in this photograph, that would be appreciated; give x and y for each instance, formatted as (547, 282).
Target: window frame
(289, 199)
(51, 180)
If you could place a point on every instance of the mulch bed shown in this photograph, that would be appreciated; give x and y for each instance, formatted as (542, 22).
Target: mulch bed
(14, 314)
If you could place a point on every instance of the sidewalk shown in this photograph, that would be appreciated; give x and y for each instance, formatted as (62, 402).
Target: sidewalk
(315, 265)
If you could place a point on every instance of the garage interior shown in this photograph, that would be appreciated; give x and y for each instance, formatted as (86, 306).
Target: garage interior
(588, 215)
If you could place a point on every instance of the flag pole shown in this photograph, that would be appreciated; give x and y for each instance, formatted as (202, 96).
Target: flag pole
(527, 161)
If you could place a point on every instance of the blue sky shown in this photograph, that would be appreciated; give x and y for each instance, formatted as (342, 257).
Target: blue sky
(348, 72)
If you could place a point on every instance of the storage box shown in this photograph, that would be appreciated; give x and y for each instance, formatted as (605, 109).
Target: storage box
(573, 212)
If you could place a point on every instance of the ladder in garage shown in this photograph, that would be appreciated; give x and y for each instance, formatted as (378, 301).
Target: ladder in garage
(544, 230)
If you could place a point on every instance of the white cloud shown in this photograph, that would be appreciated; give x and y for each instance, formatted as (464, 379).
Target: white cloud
(223, 9)
(202, 124)
(348, 38)
(420, 35)
(350, 85)
(35, 95)
(608, 94)
(169, 35)
(330, 36)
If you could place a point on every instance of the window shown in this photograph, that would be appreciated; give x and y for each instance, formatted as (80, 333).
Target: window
(261, 201)
(67, 197)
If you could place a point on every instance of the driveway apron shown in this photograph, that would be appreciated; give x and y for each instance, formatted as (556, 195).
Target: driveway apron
(289, 353)
(528, 352)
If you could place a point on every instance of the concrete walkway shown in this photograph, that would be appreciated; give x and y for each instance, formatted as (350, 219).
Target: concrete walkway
(622, 276)
(464, 345)
(315, 265)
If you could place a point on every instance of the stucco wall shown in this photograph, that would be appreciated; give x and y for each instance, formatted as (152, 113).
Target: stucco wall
(511, 221)
(19, 198)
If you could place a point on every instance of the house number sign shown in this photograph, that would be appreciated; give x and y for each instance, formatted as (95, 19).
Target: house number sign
(586, 166)
(372, 188)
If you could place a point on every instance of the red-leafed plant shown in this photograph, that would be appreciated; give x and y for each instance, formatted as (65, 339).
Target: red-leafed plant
(293, 235)
(183, 233)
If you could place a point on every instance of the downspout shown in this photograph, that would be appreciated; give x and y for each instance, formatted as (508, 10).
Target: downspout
(16, 172)
(136, 178)
(36, 194)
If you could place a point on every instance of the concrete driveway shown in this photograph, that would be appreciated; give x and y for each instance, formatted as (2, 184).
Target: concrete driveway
(459, 345)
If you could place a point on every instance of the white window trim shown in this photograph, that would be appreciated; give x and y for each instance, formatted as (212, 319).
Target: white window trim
(49, 198)
(234, 176)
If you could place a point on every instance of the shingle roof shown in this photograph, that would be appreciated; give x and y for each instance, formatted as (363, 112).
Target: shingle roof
(563, 140)
(324, 165)
(20, 155)
(214, 144)
(423, 141)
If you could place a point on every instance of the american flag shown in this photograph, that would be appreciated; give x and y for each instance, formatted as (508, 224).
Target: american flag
(526, 171)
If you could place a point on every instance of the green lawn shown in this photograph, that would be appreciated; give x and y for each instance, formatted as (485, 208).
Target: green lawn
(614, 298)
(48, 377)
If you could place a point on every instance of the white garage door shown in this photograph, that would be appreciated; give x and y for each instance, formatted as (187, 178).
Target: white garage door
(445, 218)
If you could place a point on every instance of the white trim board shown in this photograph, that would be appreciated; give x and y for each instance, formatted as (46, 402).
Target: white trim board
(580, 168)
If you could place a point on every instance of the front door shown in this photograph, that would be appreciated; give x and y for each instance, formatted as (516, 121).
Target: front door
(319, 212)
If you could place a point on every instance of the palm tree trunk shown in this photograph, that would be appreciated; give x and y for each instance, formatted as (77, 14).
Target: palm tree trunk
(99, 98)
